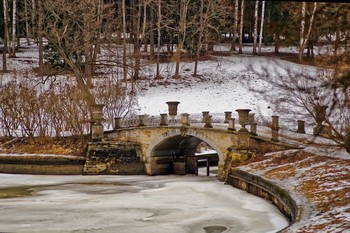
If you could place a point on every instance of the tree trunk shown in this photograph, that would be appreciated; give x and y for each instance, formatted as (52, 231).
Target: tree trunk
(277, 42)
(40, 37)
(235, 24)
(151, 39)
(201, 27)
(144, 26)
(125, 69)
(241, 28)
(4, 59)
(26, 18)
(158, 37)
(255, 26)
(137, 51)
(14, 28)
(33, 18)
(181, 36)
(261, 25)
(302, 29)
(304, 40)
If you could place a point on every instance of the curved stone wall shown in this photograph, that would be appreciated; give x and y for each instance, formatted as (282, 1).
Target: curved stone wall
(265, 189)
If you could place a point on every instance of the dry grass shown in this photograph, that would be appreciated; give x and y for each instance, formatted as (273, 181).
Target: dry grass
(44, 145)
(324, 181)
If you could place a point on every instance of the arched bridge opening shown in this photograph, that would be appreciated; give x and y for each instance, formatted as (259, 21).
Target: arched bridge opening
(184, 155)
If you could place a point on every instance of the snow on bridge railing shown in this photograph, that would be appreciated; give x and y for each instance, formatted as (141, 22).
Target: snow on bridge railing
(163, 119)
(244, 122)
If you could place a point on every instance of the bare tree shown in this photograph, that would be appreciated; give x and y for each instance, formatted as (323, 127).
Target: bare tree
(255, 35)
(125, 68)
(6, 37)
(241, 28)
(159, 21)
(72, 28)
(304, 38)
(182, 27)
(235, 24)
(200, 32)
(40, 36)
(261, 25)
(14, 29)
(26, 21)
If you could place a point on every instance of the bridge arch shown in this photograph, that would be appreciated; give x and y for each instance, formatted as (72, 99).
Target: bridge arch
(167, 152)
(172, 134)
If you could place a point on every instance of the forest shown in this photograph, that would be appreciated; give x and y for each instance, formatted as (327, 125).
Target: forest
(117, 39)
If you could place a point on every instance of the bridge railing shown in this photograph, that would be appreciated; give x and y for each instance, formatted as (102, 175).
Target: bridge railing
(224, 121)
(153, 120)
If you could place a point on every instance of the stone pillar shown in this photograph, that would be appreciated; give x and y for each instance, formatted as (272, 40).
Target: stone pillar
(231, 124)
(117, 122)
(320, 117)
(208, 122)
(142, 119)
(243, 118)
(274, 129)
(163, 119)
(205, 114)
(243, 140)
(228, 116)
(253, 128)
(97, 127)
(185, 119)
(301, 126)
(252, 123)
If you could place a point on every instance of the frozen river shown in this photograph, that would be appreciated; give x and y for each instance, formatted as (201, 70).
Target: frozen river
(132, 204)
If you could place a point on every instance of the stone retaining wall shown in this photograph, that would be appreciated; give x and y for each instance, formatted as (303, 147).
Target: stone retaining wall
(43, 165)
(265, 189)
(113, 158)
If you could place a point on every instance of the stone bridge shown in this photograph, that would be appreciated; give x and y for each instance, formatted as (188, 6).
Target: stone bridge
(157, 143)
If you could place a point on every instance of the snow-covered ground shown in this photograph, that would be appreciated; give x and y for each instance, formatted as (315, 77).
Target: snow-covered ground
(225, 85)
(131, 204)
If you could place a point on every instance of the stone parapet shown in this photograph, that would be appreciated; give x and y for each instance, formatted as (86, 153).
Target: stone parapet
(262, 188)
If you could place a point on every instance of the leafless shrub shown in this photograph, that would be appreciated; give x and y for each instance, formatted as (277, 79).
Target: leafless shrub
(298, 93)
(29, 109)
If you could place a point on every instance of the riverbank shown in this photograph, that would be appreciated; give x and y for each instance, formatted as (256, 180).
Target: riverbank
(319, 184)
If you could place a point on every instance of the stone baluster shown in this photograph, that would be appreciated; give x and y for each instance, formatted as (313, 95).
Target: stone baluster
(228, 116)
(274, 129)
(142, 119)
(231, 124)
(163, 119)
(301, 126)
(205, 114)
(185, 119)
(208, 122)
(251, 117)
(117, 122)
(253, 128)
(252, 123)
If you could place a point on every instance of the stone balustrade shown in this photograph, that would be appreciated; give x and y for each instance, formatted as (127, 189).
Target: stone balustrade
(246, 119)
